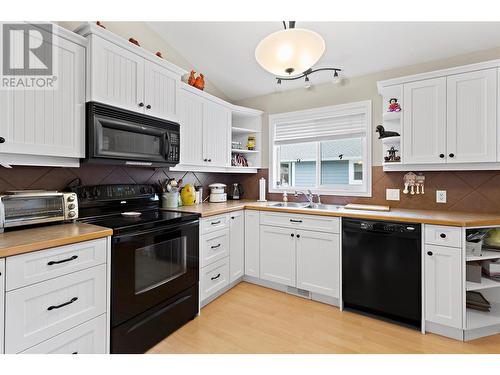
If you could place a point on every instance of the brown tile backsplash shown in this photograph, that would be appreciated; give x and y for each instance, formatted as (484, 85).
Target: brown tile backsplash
(473, 191)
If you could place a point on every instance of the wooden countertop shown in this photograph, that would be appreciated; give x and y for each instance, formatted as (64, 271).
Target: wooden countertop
(33, 239)
(451, 218)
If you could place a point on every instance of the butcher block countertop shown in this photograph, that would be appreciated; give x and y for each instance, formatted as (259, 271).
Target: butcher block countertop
(451, 218)
(33, 239)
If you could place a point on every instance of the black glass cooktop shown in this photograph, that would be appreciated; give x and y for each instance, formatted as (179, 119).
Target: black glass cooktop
(147, 219)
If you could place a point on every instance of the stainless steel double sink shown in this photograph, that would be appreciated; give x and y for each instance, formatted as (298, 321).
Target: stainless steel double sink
(306, 205)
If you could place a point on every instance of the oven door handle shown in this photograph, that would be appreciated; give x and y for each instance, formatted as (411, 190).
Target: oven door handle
(164, 230)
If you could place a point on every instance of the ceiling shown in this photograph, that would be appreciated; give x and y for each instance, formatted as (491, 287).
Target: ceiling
(224, 51)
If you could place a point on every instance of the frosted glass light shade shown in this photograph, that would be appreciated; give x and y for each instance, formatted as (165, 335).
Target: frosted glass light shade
(290, 52)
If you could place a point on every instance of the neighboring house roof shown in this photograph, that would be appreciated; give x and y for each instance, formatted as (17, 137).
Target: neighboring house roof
(351, 148)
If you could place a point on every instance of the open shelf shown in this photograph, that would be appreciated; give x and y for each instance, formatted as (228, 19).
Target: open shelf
(484, 284)
(243, 151)
(238, 130)
(479, 319)
(392, 140)
(392, 116)
(487, 254)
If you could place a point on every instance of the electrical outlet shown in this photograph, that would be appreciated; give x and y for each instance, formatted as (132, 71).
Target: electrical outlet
(392, 194)
(440, 196)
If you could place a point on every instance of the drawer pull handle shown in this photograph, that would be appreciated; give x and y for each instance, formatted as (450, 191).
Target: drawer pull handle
(295, 221)
(298, 235)
(215, 246)
(74, 299)
(215, 222)
(52, 262)
(429, 253)
(215, 277)
(74, 353)
(442, 235)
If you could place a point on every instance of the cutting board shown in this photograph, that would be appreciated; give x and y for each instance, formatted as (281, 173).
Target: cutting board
(366, 207)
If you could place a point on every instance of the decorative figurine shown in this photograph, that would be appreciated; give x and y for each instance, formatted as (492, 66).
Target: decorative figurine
(191, 78)
(251, 142)
(134, 41)
(385, 134)
(158, 53)
(98, 23)
(199, 83)
(392, 157)
(394, 105)
(409, 180)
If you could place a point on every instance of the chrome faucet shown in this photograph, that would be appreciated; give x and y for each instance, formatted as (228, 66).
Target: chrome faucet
(309, 195)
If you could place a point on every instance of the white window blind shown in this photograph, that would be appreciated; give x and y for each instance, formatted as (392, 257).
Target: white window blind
(325, 128)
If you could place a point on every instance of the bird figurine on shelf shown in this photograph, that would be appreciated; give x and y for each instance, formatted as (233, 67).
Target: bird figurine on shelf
(385, 134)
(199, 83)
(191, 78)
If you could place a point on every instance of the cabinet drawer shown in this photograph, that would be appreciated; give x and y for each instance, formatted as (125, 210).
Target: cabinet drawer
(214, 246)
(444, 236)
(87, 338)
(214, 278)
(214, 223)
(39, 312)
(27, 269)
(310, 222)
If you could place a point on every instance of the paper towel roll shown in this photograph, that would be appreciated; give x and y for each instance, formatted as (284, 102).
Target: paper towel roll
(262, 190)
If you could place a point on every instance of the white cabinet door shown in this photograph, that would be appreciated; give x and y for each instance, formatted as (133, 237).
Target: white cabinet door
(318, 267)
(160, 90)
(472, 117)
(236, 245)
(277, 255)
(443, 285)
(424, 122)
(498, 114)
(117, 76)
(2, 302)
(48, 122)
(191, 120)
(216, 134)
(252, 243)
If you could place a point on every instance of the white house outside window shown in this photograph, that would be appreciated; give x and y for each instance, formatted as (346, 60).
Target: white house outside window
(327, 150)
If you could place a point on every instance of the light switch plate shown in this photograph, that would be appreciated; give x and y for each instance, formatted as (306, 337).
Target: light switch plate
(440, 196)
(392, 194)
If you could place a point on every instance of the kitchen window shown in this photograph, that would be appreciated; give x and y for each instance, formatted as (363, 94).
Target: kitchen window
(326, 150)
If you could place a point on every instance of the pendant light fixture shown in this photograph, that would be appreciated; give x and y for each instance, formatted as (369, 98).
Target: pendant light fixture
(289, 54)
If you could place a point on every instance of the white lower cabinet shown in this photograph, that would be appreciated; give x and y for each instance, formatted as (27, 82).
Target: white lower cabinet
(87, 338)
(252, 243)
(443, 285)
(277, 256)
(318, 262)
(236, 246)
(38, 312)
(214, 278)
(2, 301)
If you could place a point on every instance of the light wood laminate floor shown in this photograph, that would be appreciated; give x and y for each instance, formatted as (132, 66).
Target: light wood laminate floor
(253, 319)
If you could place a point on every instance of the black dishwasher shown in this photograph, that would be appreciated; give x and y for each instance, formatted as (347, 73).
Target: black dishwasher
(381, 269)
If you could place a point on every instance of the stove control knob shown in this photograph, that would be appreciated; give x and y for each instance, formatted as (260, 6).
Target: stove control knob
(71, 214)
(71, 206)
(71, 198)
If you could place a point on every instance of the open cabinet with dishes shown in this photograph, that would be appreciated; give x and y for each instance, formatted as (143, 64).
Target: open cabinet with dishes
(482, 282)
(246, 138)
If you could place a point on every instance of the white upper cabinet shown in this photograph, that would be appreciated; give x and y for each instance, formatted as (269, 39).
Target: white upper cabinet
(191, 120)
(126, 76)
(424, 122)
(47, 126)
(116, 76)
(205, 131)
(160, 91)
(216, 134)
(472, 117)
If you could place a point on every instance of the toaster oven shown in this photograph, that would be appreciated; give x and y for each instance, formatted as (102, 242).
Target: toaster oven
(29, 207)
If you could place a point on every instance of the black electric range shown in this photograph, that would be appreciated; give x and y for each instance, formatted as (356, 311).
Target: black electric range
(154, 263)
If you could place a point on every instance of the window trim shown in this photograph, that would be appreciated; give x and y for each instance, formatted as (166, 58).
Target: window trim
(361, 190)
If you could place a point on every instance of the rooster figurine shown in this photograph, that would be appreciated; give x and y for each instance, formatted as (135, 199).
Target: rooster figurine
(199, 83)
(191, 78)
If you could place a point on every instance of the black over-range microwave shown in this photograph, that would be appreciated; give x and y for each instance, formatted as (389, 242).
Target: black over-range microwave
(119, 136)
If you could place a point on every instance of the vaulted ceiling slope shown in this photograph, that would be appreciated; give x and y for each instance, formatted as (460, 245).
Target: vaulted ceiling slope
(224, 51)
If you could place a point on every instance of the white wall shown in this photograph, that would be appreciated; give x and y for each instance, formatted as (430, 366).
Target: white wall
(352, 90)
(151, 41)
